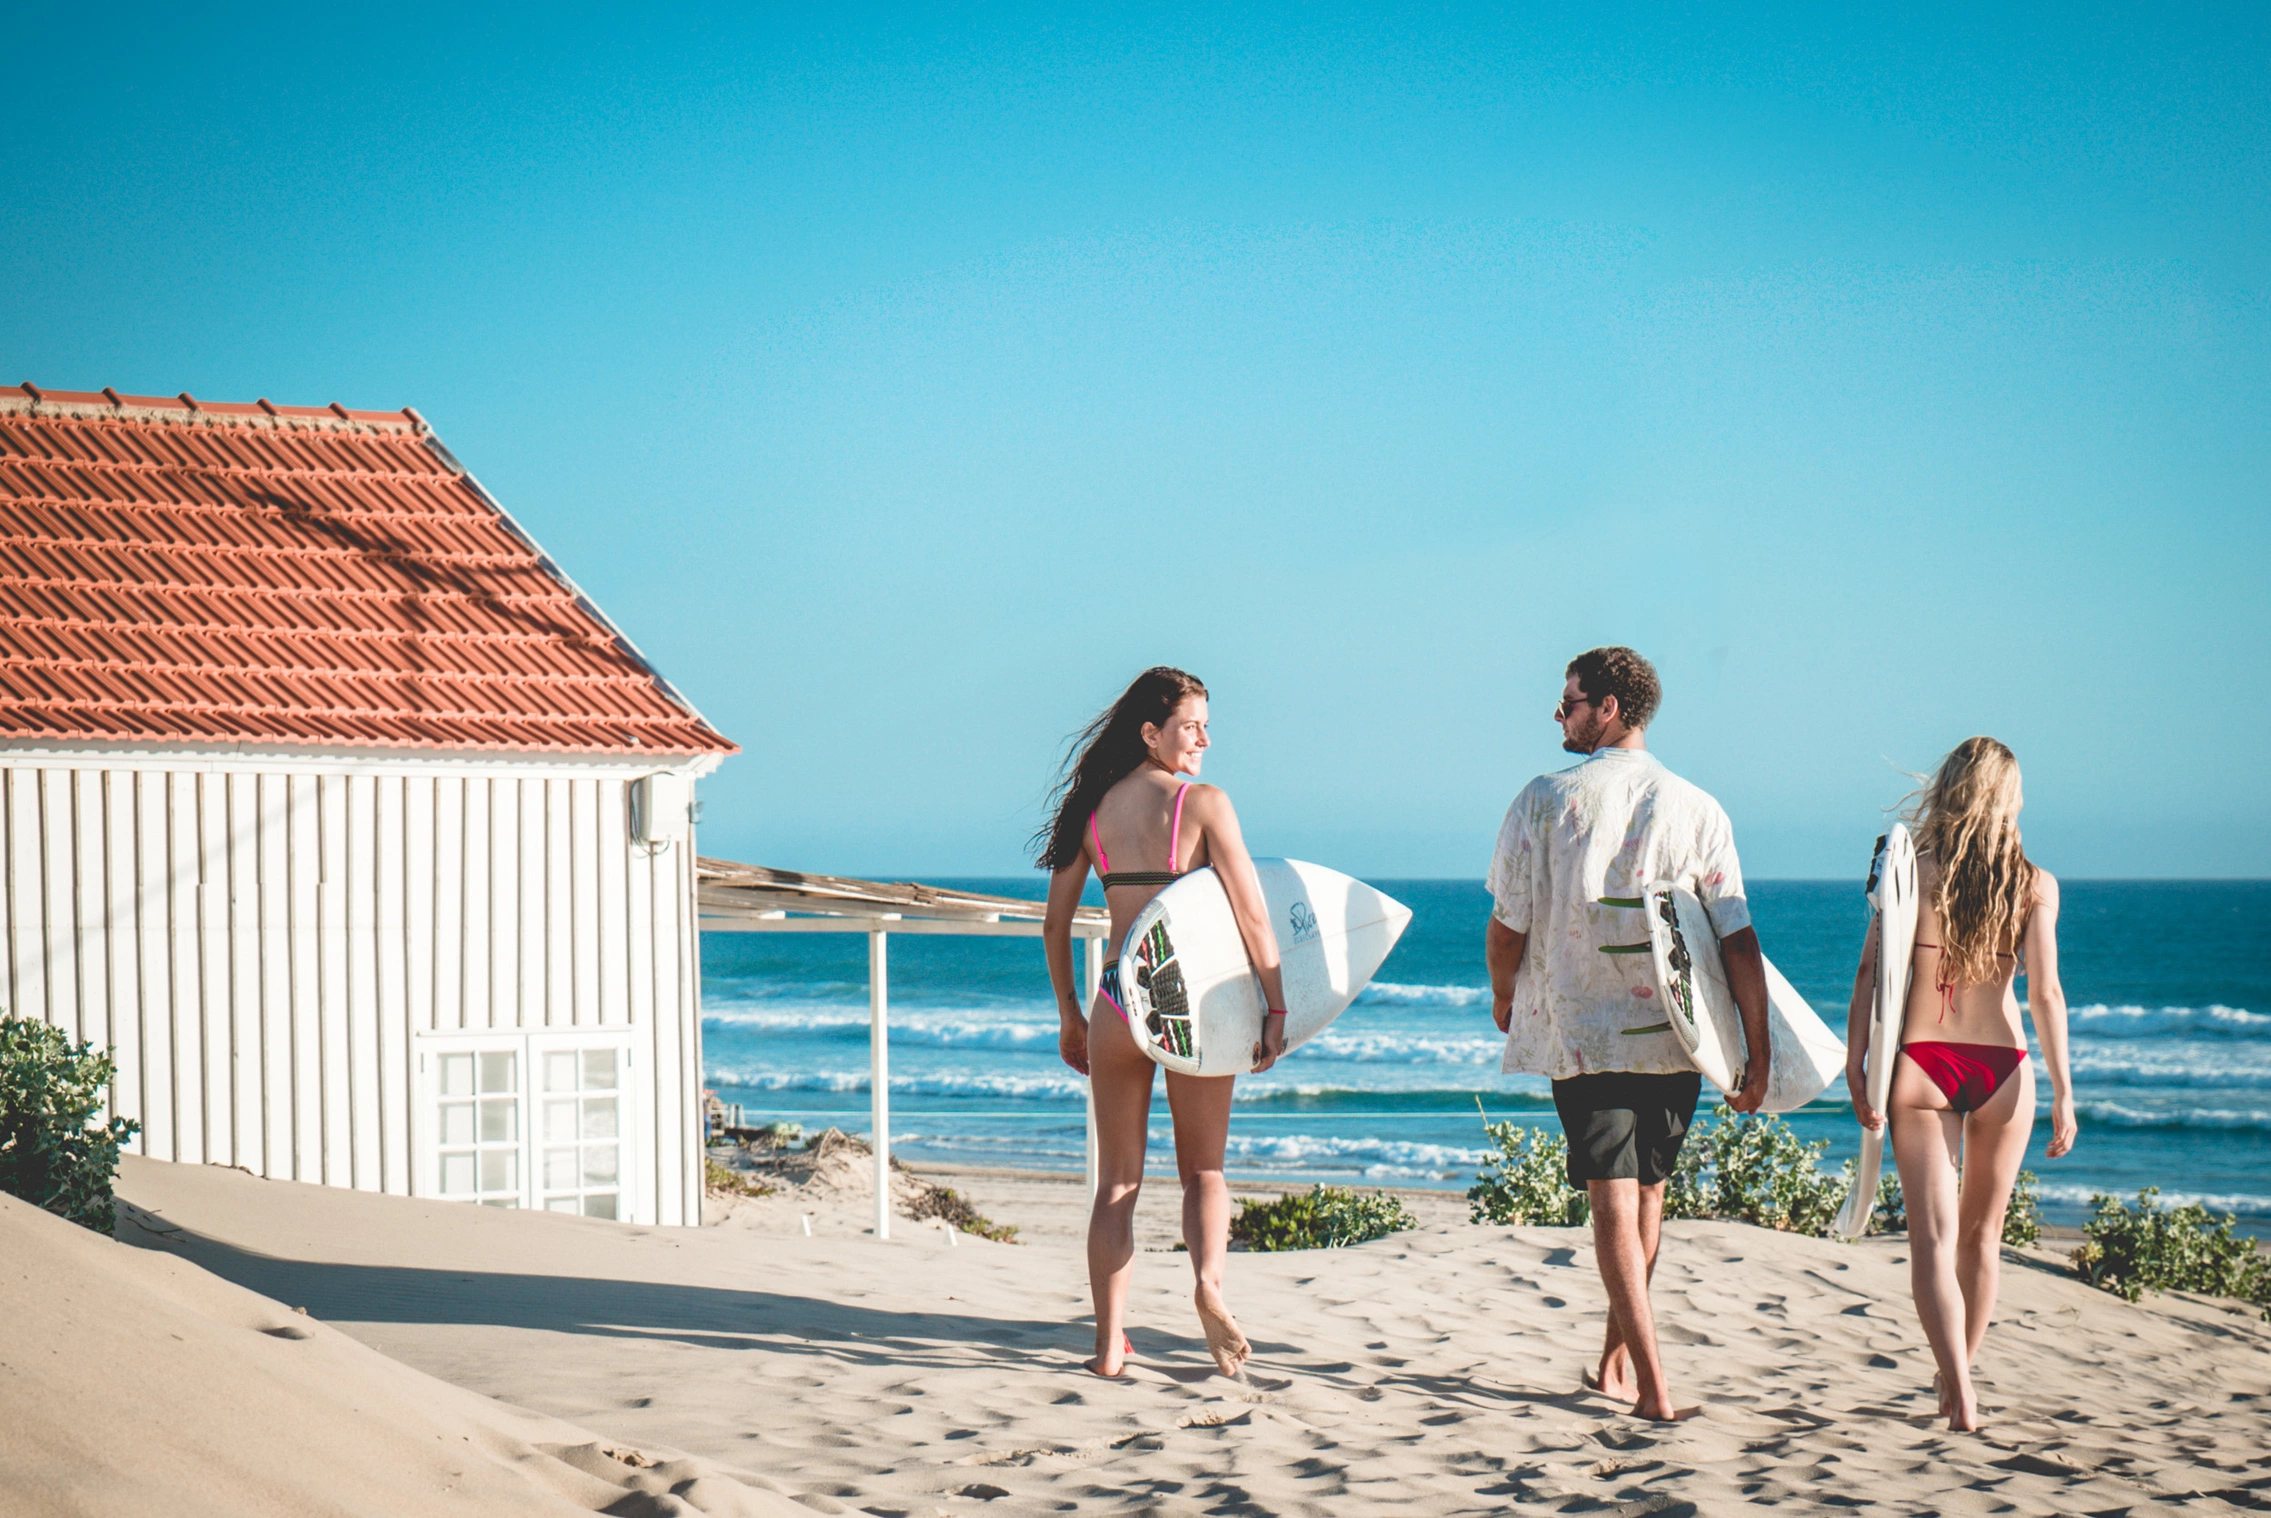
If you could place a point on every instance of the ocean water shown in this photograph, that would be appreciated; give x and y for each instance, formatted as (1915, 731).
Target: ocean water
(2169, 983)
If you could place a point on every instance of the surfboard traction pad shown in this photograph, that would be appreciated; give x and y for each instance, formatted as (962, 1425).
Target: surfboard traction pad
(1161, 994)
(1682, 963)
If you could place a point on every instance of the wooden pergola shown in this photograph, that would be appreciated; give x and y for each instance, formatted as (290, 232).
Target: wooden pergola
(748, 898)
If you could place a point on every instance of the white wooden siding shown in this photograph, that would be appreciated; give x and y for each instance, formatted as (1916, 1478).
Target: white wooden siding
(263, 944)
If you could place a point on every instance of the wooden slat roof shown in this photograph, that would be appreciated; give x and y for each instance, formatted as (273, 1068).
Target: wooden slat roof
(722, 885)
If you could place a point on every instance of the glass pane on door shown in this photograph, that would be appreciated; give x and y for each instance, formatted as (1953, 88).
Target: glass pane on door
(477, 1127)
(583, 1145)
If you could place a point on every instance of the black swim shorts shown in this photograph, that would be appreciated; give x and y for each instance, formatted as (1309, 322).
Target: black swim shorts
(1623, 1126)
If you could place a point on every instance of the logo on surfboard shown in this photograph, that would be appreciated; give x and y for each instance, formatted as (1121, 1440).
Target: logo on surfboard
(1304, 922)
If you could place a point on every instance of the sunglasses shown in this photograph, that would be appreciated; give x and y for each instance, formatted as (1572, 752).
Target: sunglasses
(1570, 704)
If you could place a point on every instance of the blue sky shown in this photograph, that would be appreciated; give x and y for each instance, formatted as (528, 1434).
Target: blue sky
(905, 381)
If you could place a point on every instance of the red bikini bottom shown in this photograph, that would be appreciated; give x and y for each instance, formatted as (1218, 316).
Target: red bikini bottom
(1967, 1074)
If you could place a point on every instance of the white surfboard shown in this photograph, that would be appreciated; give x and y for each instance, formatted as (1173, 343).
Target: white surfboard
(1705, 1019)
(1892, 891)
(1190, 992)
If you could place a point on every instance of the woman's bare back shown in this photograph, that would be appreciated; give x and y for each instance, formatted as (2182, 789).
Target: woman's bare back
(1987, 1013)
(1135, 824)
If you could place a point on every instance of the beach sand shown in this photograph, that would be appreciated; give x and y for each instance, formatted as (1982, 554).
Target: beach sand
(132, 1382)
(1433, 1372)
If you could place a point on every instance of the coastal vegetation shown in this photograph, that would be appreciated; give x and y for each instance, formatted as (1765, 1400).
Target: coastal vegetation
(1738, 1169)
(1524, 1179)
(1323, 1217)
(53, 1152)
(723, 1180)
(2130, 1251)
(2022, 1220)
(952, 1208)
(1754, 1170)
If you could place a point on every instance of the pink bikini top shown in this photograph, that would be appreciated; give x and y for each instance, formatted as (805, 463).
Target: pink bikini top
(1144, 877)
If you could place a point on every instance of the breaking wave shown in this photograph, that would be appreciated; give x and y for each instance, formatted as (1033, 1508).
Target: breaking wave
(1386, 993)
(949, 1029)
(1065, 1084)
(2245, 1205)
(2114, 1115)
(2145, 1022)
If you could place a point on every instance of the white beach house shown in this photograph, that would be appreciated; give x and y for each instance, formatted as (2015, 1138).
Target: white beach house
(333, 805)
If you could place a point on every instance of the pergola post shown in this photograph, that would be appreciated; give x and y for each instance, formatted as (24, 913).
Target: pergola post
(1093, 979)
(741, 898)
(879, 1073)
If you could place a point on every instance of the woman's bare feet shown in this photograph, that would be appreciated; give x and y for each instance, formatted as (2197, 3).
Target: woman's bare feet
(1960, 1406)
(1223, 1340)
(1109, 1365)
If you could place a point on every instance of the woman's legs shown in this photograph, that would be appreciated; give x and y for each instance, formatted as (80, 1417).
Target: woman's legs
(1119, 1081)
(1927, 1137)
(1201, 1105)
(1994, 1147)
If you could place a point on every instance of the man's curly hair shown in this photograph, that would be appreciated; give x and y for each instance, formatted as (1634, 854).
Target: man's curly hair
(1619, 672)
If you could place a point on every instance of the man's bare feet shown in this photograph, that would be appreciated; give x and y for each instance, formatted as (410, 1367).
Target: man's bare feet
(1664, 1412)
(1617, 1393)
(1615, 1377)
(1108, 1365)
(1223, 1340)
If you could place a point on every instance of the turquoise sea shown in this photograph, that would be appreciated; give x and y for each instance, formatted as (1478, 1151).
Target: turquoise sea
(2169, 984)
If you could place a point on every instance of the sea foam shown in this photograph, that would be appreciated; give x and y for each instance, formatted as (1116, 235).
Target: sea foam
(2147, 1022)
(1022, 1087)
(2242, 1203)
(2115, 1115)
(1386, 993)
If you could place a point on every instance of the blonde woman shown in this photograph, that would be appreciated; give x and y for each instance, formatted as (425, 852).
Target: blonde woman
(1963, 1096)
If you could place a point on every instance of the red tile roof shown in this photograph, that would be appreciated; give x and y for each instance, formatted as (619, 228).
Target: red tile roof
(185, 571)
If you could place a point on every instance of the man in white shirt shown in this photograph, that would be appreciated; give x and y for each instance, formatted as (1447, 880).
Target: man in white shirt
(1573, 985)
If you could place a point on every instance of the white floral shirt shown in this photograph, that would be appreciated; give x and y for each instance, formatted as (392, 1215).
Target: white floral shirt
(1599, 829)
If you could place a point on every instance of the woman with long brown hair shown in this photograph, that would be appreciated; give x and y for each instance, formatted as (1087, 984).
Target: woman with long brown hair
(1124, 808)
(1962, 1103)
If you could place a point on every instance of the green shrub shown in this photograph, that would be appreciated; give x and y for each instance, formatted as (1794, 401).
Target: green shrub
(1755, 1170)
(2022, 1223)
(50, 1090)
(2022, 1220)
(1890, 1215)
(1324, 1217)
(1739, 1169)
(1525, 1179)
(2130, 1251)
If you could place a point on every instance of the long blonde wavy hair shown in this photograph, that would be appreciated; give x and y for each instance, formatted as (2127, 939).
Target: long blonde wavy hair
(1967, 819)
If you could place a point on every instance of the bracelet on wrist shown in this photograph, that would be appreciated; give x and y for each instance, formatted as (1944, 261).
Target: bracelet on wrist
(1273, 1012)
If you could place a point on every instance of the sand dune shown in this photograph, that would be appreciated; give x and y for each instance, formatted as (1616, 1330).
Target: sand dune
(1434, 1372)
(132, 1383)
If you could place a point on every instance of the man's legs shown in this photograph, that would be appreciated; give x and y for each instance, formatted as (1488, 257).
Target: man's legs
(1625, 1131)
(1625, 1261)
(1615, 1374)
